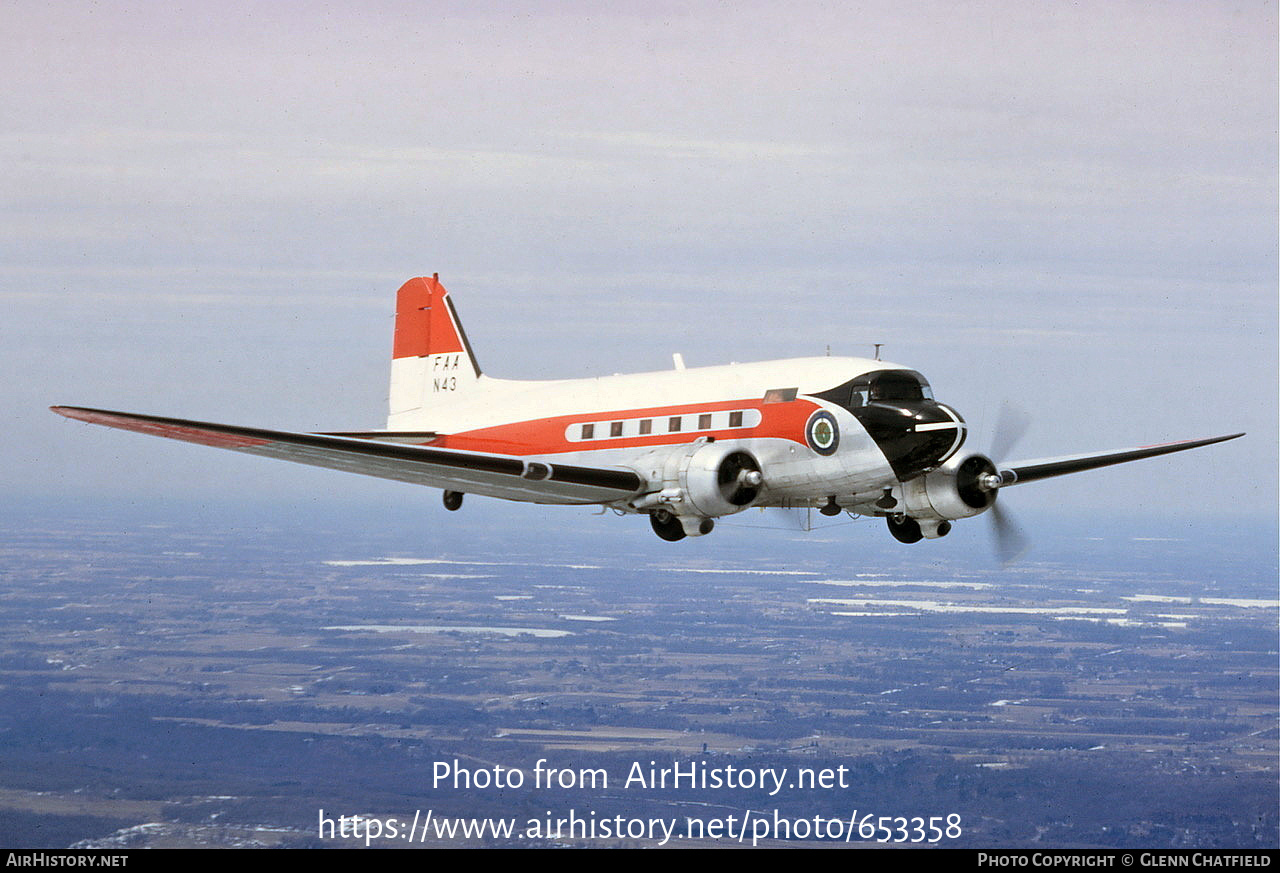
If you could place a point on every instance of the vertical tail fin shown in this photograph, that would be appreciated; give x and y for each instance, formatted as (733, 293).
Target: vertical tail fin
(431, 360)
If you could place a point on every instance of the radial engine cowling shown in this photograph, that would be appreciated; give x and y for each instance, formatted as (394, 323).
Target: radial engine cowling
(952, 490)
(716, 479)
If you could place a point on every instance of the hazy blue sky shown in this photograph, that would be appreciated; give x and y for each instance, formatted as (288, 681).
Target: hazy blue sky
(208, 208)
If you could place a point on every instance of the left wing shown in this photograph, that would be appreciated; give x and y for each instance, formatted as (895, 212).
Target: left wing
(502, 476)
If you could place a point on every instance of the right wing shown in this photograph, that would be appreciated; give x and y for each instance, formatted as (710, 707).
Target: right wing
(1045, 468)
(511, 478)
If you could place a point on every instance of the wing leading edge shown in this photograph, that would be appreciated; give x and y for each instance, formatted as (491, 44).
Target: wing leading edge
(490, 475)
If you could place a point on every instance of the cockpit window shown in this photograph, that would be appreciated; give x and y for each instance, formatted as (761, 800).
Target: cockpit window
(897, 385)
(881, 386)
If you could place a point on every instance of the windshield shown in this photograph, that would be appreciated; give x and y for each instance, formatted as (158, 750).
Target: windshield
(899, 385)
(882, 386)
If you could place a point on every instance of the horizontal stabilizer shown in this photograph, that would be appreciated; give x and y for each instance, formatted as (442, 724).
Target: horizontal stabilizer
(410, 437)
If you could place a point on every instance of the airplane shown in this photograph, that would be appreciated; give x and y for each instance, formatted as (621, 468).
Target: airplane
(685, 446)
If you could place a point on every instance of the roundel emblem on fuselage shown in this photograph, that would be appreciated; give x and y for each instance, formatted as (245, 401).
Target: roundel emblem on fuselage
(822, 433)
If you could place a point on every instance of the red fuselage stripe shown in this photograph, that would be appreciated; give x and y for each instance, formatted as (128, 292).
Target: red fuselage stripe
(546, 436)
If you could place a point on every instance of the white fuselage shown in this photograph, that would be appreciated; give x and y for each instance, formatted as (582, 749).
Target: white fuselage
(630, 421)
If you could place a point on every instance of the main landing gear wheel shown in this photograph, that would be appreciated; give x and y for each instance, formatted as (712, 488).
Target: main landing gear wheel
(905, 529)
(666, 525)
(453, 500)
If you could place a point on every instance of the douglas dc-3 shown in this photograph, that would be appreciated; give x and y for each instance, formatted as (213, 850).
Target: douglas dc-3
(684, 446)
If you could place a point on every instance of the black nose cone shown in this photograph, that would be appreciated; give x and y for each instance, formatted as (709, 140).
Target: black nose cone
(915, 437)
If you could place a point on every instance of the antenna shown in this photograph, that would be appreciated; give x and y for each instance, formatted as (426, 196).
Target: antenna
(878, 345)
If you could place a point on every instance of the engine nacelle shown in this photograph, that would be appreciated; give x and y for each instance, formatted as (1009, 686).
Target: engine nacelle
(951, 491)
(704, 480)
(717, 479)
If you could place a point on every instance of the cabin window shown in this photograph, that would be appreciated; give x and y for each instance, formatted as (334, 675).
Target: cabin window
(673, 424)
(735, 419)
(704, 421)
(588, 431)
(646, 426)
(615, 429)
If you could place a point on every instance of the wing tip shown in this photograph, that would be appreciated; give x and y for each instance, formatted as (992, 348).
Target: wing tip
(1193, 444)
(1220, 439)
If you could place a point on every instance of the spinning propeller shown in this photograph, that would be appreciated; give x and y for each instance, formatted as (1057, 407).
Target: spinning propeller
(1007, 537)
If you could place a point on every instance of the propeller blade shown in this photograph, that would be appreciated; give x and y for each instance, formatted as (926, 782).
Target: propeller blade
(1010, 542)
(1011, 425)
